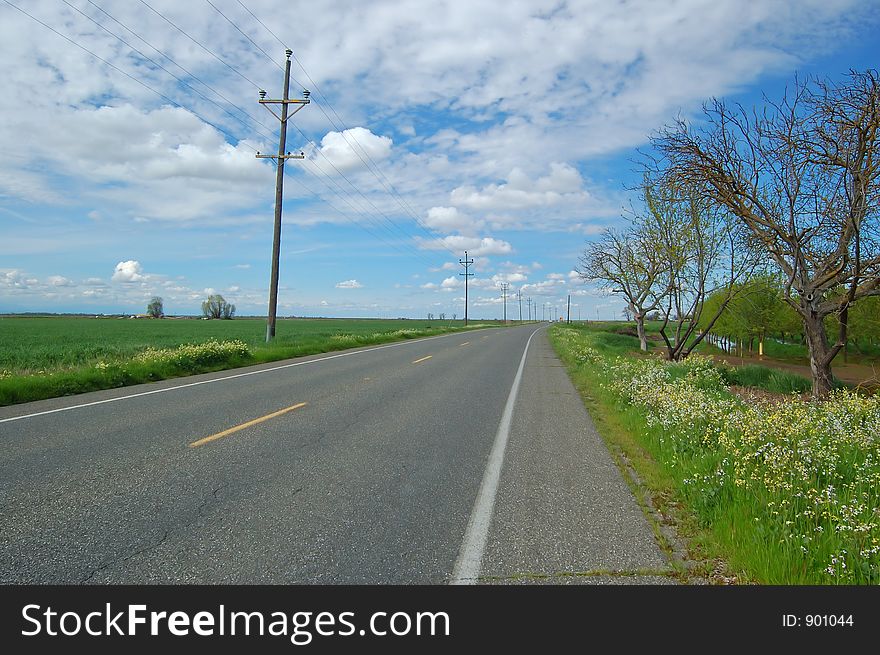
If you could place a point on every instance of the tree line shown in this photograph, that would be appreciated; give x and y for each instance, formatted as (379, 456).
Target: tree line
(216, 306)
(783, 196)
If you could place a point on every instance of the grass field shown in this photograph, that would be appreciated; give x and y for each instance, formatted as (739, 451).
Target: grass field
(784, 491)
(45, 357)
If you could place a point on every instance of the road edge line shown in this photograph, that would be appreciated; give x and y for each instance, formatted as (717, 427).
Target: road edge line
(473, 545)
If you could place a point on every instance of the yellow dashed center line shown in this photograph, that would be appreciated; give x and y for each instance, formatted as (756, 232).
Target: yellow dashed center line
(423, 359)
(226, 433)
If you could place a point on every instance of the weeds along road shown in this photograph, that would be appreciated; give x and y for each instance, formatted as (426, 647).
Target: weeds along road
(461, 458)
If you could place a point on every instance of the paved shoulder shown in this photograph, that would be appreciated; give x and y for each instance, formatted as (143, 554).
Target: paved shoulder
(563, 513)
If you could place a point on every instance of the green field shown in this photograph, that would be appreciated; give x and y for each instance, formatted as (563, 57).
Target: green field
(44, 357)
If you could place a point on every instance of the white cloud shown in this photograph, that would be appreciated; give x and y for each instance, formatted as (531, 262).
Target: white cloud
(450, 283)
(354, 148)
(59, 281)
(562, 184)
(128, 271)
(15, 279)
(513, 278)
(349, 284)
(545, 288)
(475, 246)
(449, 219)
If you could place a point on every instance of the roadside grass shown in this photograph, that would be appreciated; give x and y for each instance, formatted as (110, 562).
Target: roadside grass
(57, 356)
(784, 494)
(763, 377)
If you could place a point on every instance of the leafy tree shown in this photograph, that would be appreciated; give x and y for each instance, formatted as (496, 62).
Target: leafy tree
(217, 307)
(155, 308)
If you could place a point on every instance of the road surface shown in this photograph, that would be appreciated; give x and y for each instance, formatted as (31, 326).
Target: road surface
(466, 458)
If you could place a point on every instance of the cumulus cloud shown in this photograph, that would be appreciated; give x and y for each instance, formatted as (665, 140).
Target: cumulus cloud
(513, 278)
(349, 284)
(353, 148)
(128, 271)
(59, 281)
(449, 219)
(562, 184)
(475, 246)
(16, 279)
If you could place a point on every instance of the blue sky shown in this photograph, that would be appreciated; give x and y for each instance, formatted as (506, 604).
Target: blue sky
(504, 128)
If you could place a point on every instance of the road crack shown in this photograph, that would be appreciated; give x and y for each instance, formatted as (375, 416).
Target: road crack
(125, 558)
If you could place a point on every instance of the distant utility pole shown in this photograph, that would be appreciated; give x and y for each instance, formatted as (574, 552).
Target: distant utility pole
(568, 314)
(279, 184)
(466, 263)
(519, 297)
(504, 287)
(529, 307)
(543, 305)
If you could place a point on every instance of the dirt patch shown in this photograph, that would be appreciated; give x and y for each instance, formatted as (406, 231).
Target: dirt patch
(866, 376)
(755, 396)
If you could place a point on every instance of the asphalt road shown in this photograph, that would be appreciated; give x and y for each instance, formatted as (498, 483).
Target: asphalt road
(450, 459)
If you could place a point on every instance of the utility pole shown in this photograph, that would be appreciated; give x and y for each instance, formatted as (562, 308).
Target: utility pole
(466, 263)
(504, 287)
(568, 314)
(519, 297)
(529, 307)
(279, 184)
(543, 305)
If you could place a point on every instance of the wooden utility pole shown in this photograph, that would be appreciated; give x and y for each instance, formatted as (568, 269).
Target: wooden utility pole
(568, 313)
(279, 184)
(466, 263)
(504, 287)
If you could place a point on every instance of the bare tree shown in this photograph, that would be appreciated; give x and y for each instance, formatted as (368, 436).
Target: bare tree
(628, 263)
(704, 252)
(217, 307)
(802, 176)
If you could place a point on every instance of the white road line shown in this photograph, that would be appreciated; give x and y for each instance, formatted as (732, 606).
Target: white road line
(470, 555)
(223, 379)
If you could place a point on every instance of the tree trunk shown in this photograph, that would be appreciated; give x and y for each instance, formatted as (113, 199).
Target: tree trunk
(640, 328)
(820, 364)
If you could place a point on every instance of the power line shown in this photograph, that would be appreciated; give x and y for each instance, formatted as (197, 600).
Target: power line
(157, 64)
(170, 22)
(264, 25)
(202, 118)
(119, 70)
(372, 166)
(264, 132)
(176, 63)
(240, 31)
